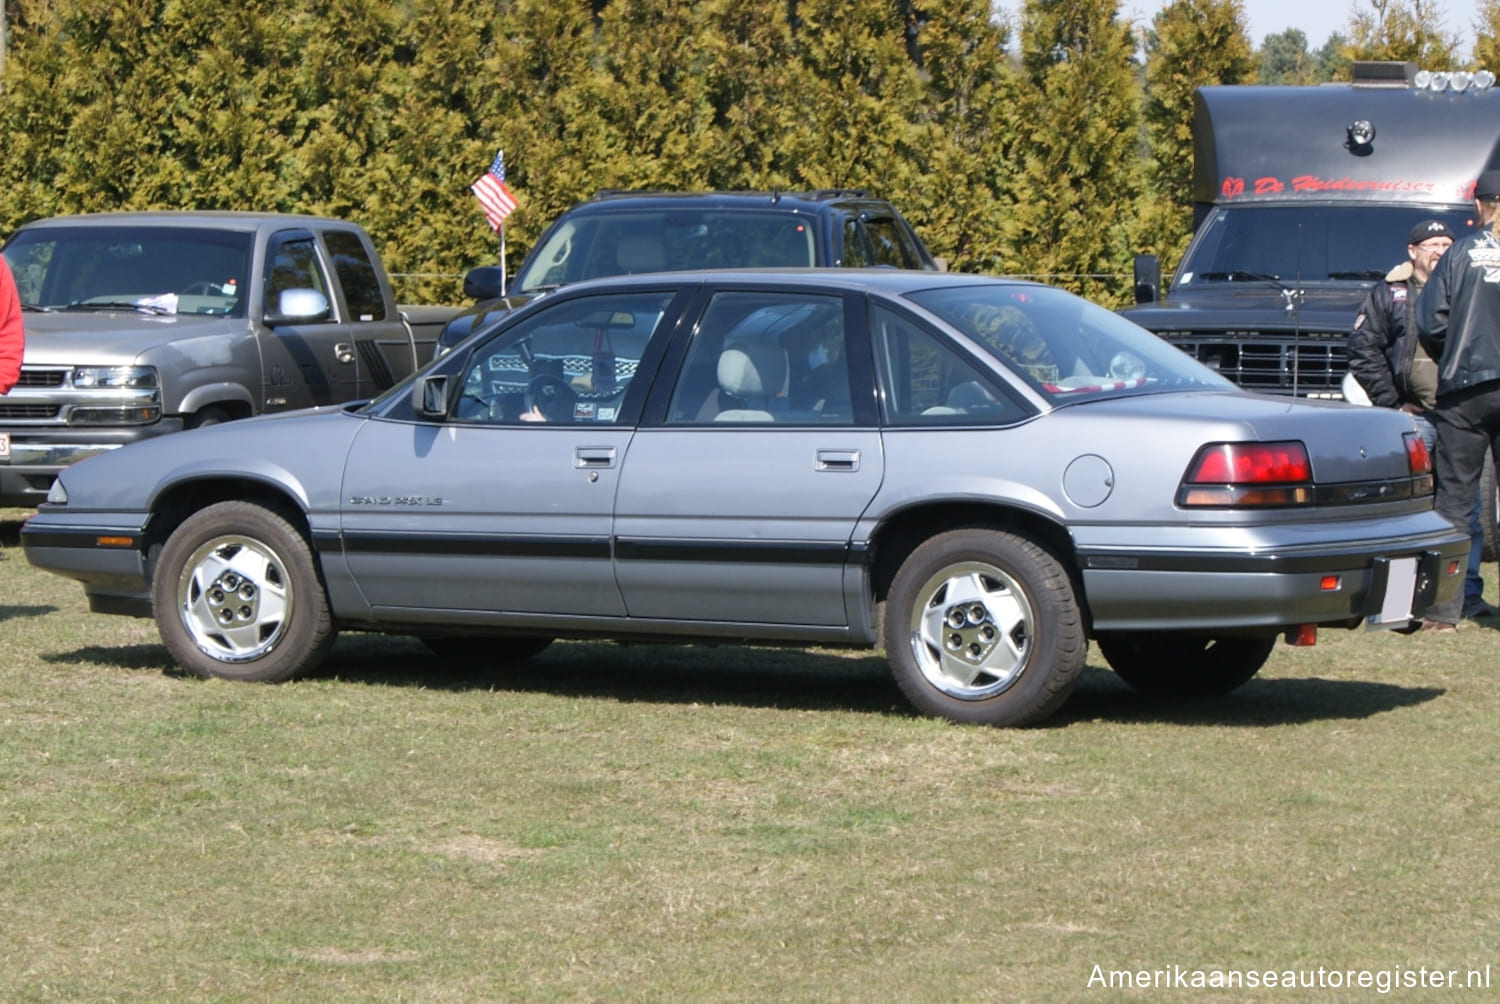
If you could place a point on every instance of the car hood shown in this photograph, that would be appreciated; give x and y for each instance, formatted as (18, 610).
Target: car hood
(68, 338)
(1254, 305)
(293, 449)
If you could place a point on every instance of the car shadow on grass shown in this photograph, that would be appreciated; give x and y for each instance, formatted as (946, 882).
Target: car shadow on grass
(1103, 696)
(790, 679)
(820, 679)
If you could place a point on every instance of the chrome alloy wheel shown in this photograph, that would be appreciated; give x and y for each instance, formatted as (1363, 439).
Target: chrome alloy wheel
(972, 631)
(234, 596)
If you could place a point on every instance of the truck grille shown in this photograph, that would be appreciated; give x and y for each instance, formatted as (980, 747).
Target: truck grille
(1310, 365)
(41, 378)
(25, 412)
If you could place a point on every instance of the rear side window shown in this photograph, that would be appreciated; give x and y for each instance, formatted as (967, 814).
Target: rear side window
(925, 382)
(356, 274)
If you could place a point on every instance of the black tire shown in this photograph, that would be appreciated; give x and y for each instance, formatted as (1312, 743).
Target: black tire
(1183, 665)
(1489, 510)
(982, 627)
(484, 651)
(204, 417)
(241, 564)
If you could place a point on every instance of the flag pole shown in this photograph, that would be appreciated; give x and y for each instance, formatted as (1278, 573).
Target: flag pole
(502, 257)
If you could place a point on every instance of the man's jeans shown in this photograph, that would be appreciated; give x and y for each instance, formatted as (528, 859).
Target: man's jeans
(1468, 425)
(1473, 582)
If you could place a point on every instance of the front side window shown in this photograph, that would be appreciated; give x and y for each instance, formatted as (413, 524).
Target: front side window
(569, 363)
(766, 358)
(886, 244)
(292, 263)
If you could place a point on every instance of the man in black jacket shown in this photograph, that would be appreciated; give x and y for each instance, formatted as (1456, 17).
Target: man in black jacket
(1458, 321)
(1395, 371)
(1385, 355)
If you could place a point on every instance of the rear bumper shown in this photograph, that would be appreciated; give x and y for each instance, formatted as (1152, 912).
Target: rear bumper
(1181, 590)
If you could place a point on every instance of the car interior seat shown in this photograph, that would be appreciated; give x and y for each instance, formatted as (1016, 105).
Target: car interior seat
(752, 381)
(640, 253)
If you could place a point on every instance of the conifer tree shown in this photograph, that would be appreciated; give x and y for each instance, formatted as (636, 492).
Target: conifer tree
(1076, 152)
(1191, 43)
(1486, 35)
(1402, 30)
(962, 190)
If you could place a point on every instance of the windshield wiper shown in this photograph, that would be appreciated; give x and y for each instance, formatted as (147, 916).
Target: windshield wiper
(140, 308)
(36, 307)
(1239, 275)
(1364, 274)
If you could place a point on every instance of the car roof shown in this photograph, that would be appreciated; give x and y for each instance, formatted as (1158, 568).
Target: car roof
(210, 219)
(811, 201)
(890, 281)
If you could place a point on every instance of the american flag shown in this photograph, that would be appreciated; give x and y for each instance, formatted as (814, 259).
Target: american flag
(494, 197)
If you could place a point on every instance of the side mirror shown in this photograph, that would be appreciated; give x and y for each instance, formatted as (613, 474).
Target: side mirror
(297, 306)
(1147, 278)
(429, 396)
(487, 282)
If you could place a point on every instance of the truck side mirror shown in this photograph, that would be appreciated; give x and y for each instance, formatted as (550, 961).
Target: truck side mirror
(295, 306)
(429, 396)
(486, 282)
(1147, 278)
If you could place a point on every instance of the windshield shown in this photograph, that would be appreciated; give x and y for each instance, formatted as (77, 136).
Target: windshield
(598, 243)
(1293, 244)
(1065, 347)
(184, 270)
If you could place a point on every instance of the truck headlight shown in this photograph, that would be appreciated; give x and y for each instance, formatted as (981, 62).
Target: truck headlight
(115, 377)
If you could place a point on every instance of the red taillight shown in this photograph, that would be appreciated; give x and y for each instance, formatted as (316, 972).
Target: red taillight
(1418, 460)
(1248, 474)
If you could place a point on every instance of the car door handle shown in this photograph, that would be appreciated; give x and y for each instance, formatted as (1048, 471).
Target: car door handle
(343, 352)
(845, 461)
(593, 457)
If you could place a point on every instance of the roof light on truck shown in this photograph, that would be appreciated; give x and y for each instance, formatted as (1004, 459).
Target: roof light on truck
(1458, 80)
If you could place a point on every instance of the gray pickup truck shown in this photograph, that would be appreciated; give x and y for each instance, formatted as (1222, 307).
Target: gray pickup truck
(141, 324)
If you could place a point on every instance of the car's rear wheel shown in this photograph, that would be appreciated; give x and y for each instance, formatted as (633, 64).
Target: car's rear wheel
(481, 651)
(982, 626)
(235, 595)
(1181, 664)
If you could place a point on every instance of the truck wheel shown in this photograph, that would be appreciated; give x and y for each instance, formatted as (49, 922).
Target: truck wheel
(481, 651)
(982, 627)
(235, 595)
(1183, 665)
(1489, 510)
(212, 415)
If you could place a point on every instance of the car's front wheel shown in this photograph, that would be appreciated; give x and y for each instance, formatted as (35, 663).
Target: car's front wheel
(1183, 665)
(235, 595)
(982, 626)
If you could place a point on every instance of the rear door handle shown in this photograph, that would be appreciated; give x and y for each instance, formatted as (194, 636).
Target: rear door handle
(841, 461)
(594, 457)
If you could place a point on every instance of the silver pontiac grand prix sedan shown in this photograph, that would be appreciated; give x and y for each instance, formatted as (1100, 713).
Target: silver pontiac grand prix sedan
(978, 475)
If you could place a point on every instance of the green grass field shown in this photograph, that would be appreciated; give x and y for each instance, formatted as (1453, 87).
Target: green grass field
(731, 824)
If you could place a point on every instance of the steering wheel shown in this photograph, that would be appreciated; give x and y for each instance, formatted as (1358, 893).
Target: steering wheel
(552, 396)
(201, 288)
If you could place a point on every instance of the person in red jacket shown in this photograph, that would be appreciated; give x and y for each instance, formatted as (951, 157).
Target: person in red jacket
(12, 333)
